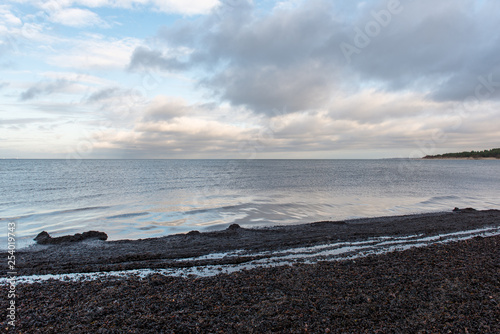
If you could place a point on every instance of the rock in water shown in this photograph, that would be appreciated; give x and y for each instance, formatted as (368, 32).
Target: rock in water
(44, 238)
(94, 235)
(464, 210)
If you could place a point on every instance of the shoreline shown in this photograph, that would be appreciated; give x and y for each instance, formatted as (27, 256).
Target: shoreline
(238, 246)
(469, 158)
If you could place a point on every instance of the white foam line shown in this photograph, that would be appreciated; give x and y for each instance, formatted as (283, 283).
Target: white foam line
(213, 256)
(298, 250)
(416, 245)
(286, 257)
(312, 249)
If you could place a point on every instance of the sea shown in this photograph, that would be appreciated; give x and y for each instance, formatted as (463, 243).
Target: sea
(136, 199)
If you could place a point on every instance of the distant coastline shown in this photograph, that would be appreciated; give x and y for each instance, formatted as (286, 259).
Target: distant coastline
(492, 154)
(456, 158)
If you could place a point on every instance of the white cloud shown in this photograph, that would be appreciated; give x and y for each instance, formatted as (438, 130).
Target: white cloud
(195, 128)
(395, 123)
(172, 125)
(185, 7)
(189, 7)
(76, 17)
(78, 77)
(7, 18)
(97, 52)
(45, 88)
(10, 26)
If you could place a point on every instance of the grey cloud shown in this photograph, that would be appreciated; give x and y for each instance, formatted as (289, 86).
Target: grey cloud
(396, 91)
(269, 61)
(260, 62)
(103, 94)
(482, 85)
(242, 38)
(437, 48)
(270, 88)
(165, 111)
(115, 95)
(144, 58)
(4, 84)
(43, 88)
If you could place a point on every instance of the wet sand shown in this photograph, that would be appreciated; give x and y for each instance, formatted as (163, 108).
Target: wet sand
(452, 287)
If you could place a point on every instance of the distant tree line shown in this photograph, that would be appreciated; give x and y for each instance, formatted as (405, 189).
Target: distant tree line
(493, 153)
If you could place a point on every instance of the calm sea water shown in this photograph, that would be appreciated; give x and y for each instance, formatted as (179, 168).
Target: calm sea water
(148, 198)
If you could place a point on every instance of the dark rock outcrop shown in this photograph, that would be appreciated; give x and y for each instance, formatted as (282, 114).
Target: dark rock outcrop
(328, 222)
(44, 238)
(464, 210)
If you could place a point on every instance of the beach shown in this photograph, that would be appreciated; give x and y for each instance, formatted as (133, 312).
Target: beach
(445, 286)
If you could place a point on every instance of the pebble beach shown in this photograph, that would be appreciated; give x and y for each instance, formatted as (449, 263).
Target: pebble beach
(452, 287)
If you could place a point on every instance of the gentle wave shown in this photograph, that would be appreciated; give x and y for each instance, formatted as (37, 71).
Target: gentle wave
(54, 213)
(439, 199)
(128, 215)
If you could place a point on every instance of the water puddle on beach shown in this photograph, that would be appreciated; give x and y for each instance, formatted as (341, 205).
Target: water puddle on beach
(310, 255)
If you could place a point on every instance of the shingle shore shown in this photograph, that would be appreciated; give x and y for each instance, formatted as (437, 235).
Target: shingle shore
(165, 252)
(444, 288)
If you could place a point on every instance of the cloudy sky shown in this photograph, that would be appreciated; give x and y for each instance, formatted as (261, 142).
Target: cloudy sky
(248, 79)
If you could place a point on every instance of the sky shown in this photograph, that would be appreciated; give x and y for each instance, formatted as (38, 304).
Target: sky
(315, 79)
